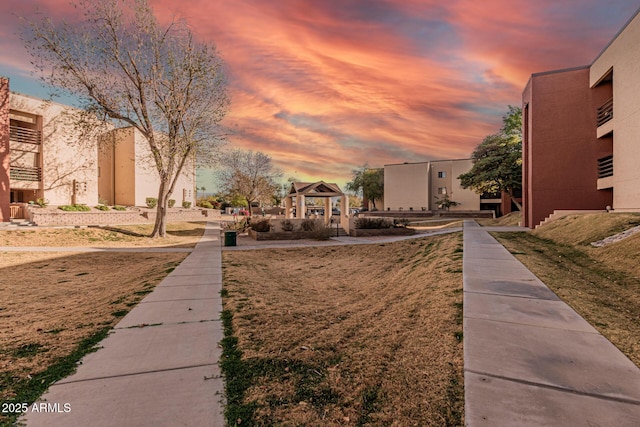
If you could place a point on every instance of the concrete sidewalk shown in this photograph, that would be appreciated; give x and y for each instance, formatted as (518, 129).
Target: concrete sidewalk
(142, 249)
(159, 367)
(530, 360)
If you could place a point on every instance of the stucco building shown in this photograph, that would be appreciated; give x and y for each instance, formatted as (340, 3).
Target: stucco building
(419, 186)
(127, 175)
(44, 155)
(616, 73)
(578, 155)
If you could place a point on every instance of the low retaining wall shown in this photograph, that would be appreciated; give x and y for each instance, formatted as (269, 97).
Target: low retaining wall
(280, 235)
(428, 214)
(371, 232)
(112, 217)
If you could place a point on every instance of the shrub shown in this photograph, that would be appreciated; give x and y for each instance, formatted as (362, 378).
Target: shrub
(186, 204)
(287, 225)
(236, 225)
(119, 208)
(74, 208)
(308, 225)
(261, 225)
(320, 231)
(152, 202)
(102, 207)
(373, 223)
(211, 200)
(42, 202)
(402, 222)
(172, 203)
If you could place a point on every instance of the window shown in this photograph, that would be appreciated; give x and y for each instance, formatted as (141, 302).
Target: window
(442, 174)
(442, 190)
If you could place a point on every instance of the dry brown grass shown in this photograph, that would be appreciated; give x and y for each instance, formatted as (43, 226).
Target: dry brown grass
(422, 226)
(601, 284)
(52, 301)
(179, 234)
(351, 335)
(584, 229)
(510, 219)
(49, 302)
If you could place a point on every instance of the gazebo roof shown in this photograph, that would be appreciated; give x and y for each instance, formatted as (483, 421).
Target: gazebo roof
(315, 189)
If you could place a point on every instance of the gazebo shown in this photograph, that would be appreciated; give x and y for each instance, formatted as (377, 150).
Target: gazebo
(301, 190)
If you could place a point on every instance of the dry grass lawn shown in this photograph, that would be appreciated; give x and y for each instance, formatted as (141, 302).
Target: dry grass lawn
(510, 219)
(179, 234)
(601, 284)
(52, 301)
(349, 335)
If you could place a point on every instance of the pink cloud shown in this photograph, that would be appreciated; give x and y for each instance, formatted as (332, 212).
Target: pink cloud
(325, 86)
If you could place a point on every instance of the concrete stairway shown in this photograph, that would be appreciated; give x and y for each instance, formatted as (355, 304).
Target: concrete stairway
(557, 214)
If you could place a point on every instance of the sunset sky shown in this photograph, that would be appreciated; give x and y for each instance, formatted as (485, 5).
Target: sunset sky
(325, 86)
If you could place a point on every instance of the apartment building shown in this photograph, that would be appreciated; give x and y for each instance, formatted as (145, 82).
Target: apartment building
(127, 174)
(419, 186)
(616, 73)
(576, 154)
(44, 155)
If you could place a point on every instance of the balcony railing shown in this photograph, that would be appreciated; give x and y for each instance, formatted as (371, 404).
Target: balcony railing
(24, 135)
(25, 174)
(605, 167)
(604, 113)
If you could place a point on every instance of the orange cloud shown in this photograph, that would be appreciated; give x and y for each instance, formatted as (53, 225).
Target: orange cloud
(326, 86)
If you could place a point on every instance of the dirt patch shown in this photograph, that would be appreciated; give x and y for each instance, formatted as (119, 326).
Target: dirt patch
(601, 284)
(181, 234)
(349, 335)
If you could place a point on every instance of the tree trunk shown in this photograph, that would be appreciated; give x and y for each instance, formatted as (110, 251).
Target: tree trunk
(515, 202)
(160, 226)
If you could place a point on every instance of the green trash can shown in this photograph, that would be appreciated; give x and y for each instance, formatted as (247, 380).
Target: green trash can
(230, 238)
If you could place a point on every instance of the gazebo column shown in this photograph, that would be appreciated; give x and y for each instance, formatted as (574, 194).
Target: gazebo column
(288, 206)
(327, 210)
(301, 208)
(344, 212)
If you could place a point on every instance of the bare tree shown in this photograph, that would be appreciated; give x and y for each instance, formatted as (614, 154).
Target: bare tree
(122, 64)
(250, 175)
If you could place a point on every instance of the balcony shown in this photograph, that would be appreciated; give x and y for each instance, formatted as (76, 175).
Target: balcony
(605, 173)
(18, 173)
(605, 167)
(604, 113)
(21, 135)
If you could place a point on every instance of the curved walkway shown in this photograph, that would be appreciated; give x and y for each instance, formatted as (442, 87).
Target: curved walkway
(159, 367)
(529, 359)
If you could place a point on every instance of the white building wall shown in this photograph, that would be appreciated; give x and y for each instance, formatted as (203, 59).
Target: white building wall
(420, 185)
(136, 176)
(66, 155)
(406, 186)
(623, 57)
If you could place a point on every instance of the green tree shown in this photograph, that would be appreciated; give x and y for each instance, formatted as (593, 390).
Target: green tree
(249, 175)
(445, 202)
(497, 160)
(368, 182)
(123, 65)
(355, 201)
